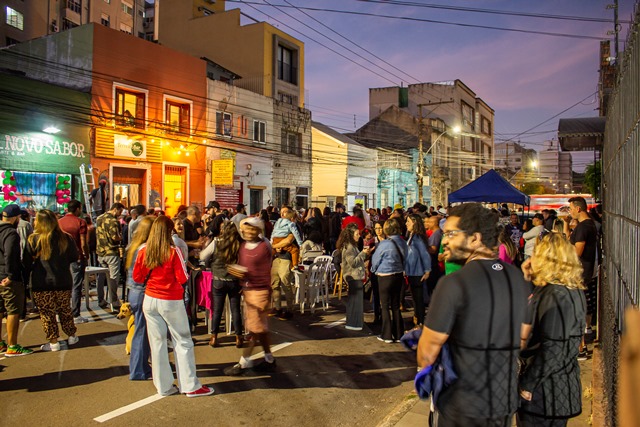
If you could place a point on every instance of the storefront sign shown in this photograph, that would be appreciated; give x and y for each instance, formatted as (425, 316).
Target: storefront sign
(42, 153)
(24, 145)
(129, 148)
(222, 172)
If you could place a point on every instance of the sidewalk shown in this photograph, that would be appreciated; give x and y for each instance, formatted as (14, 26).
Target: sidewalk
(415, 412)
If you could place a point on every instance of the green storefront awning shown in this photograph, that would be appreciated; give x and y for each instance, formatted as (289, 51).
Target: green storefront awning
(27, 107)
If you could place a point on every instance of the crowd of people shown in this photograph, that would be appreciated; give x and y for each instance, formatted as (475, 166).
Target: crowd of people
(512, 302)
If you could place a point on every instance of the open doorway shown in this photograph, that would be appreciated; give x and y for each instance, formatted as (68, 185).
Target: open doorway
(255, 201)
(175, 189)
(128, 186)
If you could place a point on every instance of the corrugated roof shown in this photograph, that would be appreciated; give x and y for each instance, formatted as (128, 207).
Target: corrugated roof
(590, 126)
(583, 134)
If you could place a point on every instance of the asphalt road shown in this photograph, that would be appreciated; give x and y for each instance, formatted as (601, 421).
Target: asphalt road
(326, 375)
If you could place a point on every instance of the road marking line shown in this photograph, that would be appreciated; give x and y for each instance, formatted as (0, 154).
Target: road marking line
(337, 323)
(273, 350)
(128, 408)
(2, 358)
(140, 403)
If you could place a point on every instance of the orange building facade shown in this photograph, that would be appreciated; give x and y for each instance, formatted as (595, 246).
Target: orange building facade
(148, 131)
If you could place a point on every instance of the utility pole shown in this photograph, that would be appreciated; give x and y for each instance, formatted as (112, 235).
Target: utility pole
(420, 165)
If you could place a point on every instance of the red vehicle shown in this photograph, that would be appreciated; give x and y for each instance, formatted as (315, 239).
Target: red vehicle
(559, 202)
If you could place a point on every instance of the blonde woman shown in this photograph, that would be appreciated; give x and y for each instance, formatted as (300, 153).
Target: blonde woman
(549, 382)
(139, 368)
(47, 255)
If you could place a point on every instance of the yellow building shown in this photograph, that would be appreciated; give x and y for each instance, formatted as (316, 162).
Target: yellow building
(329, 166)
(269, 61)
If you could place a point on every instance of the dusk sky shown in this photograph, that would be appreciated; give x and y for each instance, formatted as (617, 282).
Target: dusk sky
(526, 78)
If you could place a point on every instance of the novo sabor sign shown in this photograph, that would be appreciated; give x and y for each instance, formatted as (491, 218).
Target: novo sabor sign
(21, 145)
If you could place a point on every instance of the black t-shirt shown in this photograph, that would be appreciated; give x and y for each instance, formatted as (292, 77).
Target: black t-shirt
(481, 307)
(191, 230)
(587, 232)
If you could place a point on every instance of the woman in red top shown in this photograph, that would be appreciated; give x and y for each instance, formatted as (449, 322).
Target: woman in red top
(161, 267)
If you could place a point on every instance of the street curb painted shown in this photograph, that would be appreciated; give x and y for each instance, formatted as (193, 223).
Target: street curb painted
(400, 410)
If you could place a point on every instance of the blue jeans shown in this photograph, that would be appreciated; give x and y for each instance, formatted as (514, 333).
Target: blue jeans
(77, 275)
(139, 368)
(163, 315)
(219, 290)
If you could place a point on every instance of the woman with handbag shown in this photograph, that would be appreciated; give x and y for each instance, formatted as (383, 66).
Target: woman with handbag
(417, 266)
(388, 264)
(223, 251)
(549, 382)
(47, 255)
(353, 271)
(161, 266)
(139, 368)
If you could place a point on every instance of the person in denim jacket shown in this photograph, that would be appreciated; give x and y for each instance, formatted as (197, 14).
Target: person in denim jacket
(417, 266)
(388, 264)
(139, 368)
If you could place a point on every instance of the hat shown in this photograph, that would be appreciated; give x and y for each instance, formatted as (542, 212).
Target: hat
(11, 211)
(253, 221)
(398, 206)
(213, 204)
(240, 206)
(442, 211)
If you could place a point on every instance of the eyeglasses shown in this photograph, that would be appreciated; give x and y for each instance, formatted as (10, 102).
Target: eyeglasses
(449, 234)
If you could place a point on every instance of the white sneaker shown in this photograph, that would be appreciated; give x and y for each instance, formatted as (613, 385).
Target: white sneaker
(72, 340)
(79, 319)
(50, 347)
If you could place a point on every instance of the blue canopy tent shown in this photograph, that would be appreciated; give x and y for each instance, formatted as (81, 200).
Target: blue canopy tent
(489, 188)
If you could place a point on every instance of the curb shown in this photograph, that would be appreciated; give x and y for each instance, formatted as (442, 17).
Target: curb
(400, 410)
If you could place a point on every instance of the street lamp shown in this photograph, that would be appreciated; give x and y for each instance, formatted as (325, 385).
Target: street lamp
(420, 166)
(534, 166)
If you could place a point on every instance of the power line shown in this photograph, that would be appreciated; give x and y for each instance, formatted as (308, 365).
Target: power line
(492, 11)
(352, 42)
(315, 41)
(432, 21)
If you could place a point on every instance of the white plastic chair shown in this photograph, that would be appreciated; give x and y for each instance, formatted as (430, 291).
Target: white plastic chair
(317, 285)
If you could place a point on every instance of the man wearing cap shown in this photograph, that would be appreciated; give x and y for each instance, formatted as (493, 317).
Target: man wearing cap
(210, 212)
(12, 288)
(108, 240)
(76, 227)
(442, 216)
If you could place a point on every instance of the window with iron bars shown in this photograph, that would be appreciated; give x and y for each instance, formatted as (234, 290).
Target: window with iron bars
(291, 143)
